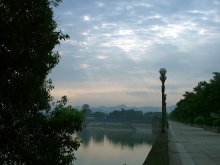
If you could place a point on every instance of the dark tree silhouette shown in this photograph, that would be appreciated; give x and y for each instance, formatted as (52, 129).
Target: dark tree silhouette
(29, 132)
(202, 105)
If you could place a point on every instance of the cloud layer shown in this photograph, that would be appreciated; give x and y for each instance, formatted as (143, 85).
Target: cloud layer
(117, 47)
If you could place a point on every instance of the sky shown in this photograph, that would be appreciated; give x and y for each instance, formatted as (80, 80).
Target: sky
(117, 47)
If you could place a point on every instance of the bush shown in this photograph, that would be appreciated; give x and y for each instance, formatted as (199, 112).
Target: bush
(216, 123)
(208, 121)
(189, 120)
(199, 120)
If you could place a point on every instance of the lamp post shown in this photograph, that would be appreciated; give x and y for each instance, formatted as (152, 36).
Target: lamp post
(163, 78)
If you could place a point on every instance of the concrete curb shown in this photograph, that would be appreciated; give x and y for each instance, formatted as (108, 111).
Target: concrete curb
(205, 127)
(159, 152)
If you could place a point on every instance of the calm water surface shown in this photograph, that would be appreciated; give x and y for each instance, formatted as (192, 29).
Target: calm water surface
(113, 146)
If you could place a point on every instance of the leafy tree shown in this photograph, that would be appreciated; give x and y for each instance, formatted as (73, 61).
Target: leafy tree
(149, 116)
(216, 122)
(99, 115)
(29, 132)
(125, 115)
(199, 120)
(200, 103)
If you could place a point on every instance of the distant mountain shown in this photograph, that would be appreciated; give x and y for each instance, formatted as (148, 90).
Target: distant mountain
(119, 107)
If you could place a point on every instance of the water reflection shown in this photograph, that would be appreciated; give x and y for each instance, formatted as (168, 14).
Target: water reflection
(125, 138)
(103, 146)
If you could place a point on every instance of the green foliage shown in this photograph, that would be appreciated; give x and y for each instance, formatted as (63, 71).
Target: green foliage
(199, 120)
(216, 123)
(99, 115)
(125, 115)
(151, 115)
(202, 101)
(30, 133)
(208, 121)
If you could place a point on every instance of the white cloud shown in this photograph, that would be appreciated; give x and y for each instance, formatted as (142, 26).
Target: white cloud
(155, 28)
(85, 33)
(61, 52)
(84, 66)
(202, 12)
(104, 25)
(125, 32)
(86, 18)
(142, 5)
(84, 43)
(99, 4)
(202, 31)
(71, 42)
(174, 30)
(157, 16)
(107, 34)
(95, 27)
(125, 44)
(102, 57)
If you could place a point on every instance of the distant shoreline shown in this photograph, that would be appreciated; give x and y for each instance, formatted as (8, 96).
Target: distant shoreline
(119, 126)
(111, 129)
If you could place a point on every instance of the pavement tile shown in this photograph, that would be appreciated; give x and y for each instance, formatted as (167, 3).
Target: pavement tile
(174, 159)
(197, 155)
(204, 162)
(193, 146)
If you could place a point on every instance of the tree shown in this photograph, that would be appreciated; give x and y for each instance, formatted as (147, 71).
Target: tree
(125, 115)
(200, 104)
(99, 115)
(30, 133)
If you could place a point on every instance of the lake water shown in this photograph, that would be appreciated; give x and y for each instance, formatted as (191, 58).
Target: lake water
(113, 146)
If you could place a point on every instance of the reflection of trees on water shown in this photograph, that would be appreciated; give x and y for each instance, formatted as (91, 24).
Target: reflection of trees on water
(117, 137)
(87, 134)
(129, 139)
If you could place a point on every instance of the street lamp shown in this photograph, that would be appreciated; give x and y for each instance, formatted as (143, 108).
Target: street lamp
(163, 78)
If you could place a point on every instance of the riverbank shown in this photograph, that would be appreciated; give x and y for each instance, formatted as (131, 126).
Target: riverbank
(158, 155)
(120, 126)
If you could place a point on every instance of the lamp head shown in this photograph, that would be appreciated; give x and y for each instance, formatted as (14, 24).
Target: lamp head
(163, 71)
(163, 78)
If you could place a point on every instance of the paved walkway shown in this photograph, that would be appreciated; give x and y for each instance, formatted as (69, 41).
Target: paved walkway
(192, 146)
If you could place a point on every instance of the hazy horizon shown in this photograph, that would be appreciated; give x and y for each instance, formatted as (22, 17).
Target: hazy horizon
(122, 105)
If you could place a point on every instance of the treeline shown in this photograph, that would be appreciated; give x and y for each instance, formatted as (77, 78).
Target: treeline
(202, 105)
(124, 115)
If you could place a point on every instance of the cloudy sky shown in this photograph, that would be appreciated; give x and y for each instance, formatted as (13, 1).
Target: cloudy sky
(117, 47)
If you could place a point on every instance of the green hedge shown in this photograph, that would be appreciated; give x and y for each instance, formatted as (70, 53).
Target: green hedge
(199, 120)
(216, 123)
